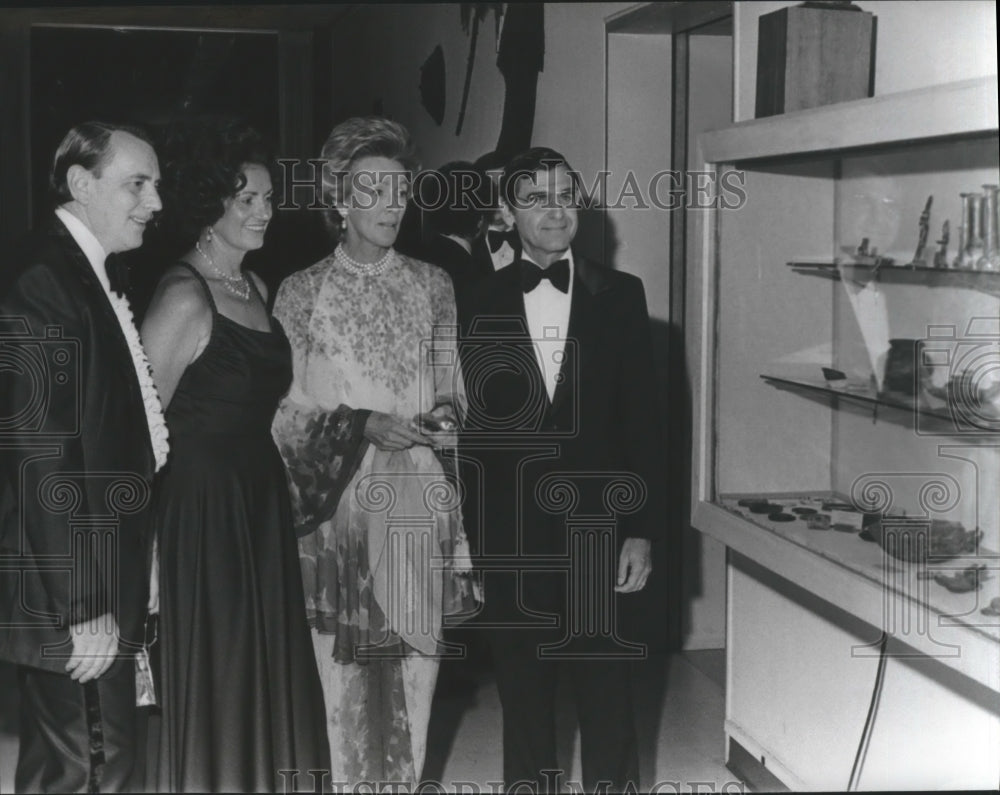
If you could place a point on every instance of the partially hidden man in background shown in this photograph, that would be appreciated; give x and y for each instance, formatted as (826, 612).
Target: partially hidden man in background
(562, 429)
(81, 434)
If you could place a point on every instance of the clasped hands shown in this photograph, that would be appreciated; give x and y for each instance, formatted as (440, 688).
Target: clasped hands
(389, 432)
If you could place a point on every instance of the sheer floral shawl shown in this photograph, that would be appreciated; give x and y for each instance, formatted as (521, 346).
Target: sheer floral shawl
(379, 531)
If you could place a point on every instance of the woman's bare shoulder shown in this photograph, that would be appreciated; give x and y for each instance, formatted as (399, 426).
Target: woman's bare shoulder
(181, 296)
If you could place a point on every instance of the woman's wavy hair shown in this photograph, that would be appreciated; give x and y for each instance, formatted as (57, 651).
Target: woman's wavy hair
(350, 141)
(202, 163)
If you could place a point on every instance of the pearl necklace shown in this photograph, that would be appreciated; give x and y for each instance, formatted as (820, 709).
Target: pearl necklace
(237, 285)
(376, 268)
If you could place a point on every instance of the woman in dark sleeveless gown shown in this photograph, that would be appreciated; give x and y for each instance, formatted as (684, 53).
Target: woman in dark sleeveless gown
(240, 692)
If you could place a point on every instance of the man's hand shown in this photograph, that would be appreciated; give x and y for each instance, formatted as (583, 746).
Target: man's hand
(387, 432)
(95, 644)
(634, 565)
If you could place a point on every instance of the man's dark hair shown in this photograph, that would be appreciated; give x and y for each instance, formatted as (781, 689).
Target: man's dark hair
(454, 199)
(491, 161)
(87, 145)
(539, 158)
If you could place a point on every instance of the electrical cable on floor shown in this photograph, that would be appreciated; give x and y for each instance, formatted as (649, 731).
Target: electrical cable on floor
(866, 733)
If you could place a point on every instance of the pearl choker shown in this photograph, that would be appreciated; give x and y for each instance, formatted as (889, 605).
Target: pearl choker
(237, 285)
(376, 268)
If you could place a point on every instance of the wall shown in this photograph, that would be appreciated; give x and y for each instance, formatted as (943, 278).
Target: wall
(637, 233)
(919, 44)
(378, 51)
(639, 118)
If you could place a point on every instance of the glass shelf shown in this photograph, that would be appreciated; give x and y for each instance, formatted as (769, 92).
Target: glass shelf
(944, 420)
(862, 273)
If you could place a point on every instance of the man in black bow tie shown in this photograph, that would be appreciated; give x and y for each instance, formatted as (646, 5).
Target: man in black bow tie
(500, 245)
(557, 359)
(496, 238)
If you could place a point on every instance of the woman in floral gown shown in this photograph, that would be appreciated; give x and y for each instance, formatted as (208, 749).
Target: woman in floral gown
(380, 535)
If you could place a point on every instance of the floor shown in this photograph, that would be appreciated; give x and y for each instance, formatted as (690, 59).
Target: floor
(679, 715)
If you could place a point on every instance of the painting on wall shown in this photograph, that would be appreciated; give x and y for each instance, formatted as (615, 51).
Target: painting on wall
(520, 58)
(432, 85)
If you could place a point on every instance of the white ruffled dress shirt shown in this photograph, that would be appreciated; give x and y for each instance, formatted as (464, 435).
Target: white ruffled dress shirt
(96, 256)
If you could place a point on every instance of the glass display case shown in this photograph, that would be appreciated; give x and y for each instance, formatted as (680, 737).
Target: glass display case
(848, 433)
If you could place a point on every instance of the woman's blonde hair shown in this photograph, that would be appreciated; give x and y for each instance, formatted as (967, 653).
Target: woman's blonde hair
(350, 141)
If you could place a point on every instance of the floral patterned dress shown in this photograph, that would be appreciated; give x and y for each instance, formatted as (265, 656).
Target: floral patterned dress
(379, 532)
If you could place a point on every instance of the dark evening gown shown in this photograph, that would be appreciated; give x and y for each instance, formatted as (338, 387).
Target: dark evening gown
(240, 694)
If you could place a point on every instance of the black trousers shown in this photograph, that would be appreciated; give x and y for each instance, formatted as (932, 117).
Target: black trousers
(77, 738)
(602, 691)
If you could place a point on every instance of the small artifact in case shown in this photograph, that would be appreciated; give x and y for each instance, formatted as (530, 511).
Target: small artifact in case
(917, 539)
(969, 579)
(819, 521)
(900, 367)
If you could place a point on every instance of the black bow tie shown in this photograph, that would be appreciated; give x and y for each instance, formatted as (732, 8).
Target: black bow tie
(557, 273)
(497, 237)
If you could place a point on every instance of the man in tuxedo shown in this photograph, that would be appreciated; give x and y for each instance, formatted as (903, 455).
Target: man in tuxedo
(565, 447)
(499, 244)
(76, 461)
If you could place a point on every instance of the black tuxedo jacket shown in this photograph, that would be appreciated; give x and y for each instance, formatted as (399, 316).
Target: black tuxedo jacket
(75, 456)
(593, 455)
(450, 257)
